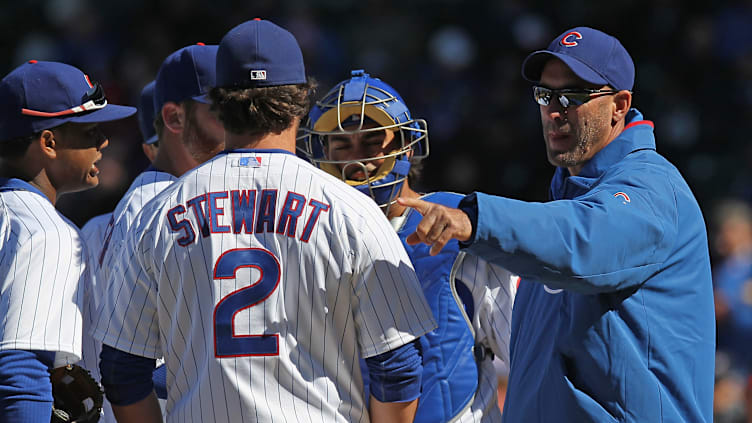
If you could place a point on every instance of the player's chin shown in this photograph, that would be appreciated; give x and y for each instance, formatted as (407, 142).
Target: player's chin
(89, 183)
(90, 180)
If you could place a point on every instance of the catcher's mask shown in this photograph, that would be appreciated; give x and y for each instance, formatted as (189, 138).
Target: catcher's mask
(345, 109)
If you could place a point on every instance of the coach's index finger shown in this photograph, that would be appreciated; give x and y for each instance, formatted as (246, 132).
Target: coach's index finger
(421, 207)
(415, 203)
(439, 224)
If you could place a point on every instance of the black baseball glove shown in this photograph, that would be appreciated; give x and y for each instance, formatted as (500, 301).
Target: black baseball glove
(78, 397)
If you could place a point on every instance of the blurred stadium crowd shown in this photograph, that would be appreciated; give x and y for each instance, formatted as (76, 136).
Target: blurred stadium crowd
(457, 64)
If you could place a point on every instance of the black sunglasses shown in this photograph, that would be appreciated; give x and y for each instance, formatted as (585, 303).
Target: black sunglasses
(567, 97)
(95, 94)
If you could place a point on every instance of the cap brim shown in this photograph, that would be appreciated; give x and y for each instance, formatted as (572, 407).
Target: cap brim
(151, 140)
(108, 113)
(532, 67)
(203, 98)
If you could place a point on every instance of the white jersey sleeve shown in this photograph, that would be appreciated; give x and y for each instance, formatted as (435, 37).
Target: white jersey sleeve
(262, 281)
(390, 303)
(43, 277)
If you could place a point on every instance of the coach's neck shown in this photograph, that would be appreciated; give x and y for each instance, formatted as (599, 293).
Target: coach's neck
(284, 140)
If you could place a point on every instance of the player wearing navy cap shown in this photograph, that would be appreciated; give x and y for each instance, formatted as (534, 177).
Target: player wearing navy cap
(49, 145)
(362, 132)
(187, 135)
(262, 279)
(614, 318)
(95, 233)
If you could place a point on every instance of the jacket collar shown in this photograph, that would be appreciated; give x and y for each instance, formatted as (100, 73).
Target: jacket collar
(637, 135)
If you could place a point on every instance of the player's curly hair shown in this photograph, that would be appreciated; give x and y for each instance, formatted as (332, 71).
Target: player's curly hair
(260, 110)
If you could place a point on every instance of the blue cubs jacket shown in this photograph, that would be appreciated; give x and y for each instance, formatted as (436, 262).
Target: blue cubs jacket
(614, 319)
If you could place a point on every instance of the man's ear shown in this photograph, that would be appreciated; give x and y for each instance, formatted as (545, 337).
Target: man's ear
(149, 151)
(622, 104)
(47, 144)
(173, 116)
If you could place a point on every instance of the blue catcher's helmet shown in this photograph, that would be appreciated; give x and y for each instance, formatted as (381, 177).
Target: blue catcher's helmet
(344, 110)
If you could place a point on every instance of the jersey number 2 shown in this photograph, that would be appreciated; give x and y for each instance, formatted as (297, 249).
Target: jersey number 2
(226, 343)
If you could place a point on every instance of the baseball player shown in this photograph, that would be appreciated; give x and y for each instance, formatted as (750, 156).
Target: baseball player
(362, 132)
(49, 145)
(188, 135)
(261, 279)
(98, 230)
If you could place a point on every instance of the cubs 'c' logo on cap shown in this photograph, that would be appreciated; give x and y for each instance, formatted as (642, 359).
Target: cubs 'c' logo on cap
(568, 40)
(258, 75)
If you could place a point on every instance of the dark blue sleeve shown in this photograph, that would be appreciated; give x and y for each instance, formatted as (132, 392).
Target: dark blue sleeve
(396, 375)
(159, 377)
(127, 378)
(469, 205)
(25, 388)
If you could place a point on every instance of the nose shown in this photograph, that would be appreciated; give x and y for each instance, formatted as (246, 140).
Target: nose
(100, 138)
(104, 143)
(554, 111)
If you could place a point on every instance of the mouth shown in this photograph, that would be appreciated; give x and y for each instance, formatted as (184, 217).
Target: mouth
(357, 173)
(559, 140)
(94, 170)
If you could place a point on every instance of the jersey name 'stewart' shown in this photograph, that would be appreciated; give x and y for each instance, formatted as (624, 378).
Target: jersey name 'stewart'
(239, 211)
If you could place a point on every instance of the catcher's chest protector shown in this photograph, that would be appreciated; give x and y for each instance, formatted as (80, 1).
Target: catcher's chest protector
(450, 372)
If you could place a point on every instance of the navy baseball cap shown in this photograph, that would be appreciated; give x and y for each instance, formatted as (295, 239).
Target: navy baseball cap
(146, 114)
(41, 95)
(258, 53)
(592, 55)
(188, 73)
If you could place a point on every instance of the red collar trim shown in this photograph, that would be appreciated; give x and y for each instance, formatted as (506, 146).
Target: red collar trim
(640, 122)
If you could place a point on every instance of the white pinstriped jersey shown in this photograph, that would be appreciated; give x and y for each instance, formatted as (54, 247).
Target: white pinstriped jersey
(263, 280)
(43, 275)
(93, 234)
(143, 189)
(493, 289)
(105, 243)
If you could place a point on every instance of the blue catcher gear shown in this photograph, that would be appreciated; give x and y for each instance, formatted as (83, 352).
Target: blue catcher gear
(345, 109)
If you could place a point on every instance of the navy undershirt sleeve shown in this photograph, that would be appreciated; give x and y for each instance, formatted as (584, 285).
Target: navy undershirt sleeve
(25, 388)
(469, 205)
(396, 375)
(159, 377)
(127, 378)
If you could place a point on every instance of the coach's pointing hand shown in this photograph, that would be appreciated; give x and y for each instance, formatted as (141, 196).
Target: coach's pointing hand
(439, 225)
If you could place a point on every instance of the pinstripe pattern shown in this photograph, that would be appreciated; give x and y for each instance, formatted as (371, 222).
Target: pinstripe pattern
(145, 187)
(100, 231)
(493, 290)
(43, 277)
(93, 235)
(349, 291)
